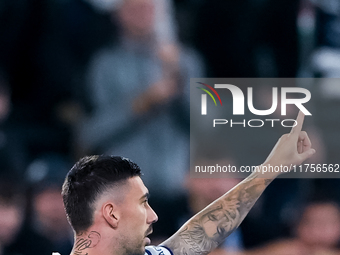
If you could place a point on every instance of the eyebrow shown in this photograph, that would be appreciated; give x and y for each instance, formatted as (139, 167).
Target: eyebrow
(146, 195)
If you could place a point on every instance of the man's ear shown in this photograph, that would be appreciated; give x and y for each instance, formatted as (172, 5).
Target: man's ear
(111, 214)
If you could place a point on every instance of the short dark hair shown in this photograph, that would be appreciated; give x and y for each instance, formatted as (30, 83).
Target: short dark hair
(89, 178)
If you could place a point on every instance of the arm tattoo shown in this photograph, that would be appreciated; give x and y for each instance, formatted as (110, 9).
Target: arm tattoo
(207, 229)
(84, 242)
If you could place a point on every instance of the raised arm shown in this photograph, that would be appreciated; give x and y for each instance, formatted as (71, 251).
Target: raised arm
(207, 229)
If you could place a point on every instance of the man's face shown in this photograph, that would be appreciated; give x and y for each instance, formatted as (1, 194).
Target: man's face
(10, 222)
(320, 225)
(137, 17)
(51, 216)
(136, 217)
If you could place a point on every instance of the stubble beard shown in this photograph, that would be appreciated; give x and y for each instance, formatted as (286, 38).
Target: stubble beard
(133, 248)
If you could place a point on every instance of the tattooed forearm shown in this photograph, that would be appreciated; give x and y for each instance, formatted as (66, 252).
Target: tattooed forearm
(206, 230)
(85, 241)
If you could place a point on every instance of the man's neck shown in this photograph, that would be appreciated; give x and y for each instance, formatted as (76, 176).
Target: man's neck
(86, 243)
(97, 241)
(138, 38)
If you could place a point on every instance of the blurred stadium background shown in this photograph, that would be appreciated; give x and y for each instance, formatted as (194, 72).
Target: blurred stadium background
(80, 77)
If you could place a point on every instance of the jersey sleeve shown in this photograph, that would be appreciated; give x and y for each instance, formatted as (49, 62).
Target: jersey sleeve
(157, 250)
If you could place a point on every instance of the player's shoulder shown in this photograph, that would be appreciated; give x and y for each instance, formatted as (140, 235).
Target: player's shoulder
(157, 250)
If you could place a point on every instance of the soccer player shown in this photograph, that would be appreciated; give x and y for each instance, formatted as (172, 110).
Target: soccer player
(106, 203)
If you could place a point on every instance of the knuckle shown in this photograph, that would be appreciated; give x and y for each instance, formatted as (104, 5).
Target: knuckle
(304, 133)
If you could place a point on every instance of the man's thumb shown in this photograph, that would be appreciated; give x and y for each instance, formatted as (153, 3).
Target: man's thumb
(307, 154)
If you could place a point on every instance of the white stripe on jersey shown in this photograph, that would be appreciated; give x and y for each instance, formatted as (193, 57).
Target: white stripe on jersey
(157, 250)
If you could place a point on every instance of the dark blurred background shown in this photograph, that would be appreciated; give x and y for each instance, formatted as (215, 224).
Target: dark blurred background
(79, 77)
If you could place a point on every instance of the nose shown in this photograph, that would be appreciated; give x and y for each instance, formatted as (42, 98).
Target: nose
(152, 216)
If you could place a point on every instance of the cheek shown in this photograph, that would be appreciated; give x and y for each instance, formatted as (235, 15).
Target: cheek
(135, 217)
(321, 234)
(10, 222)
(328, 234)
